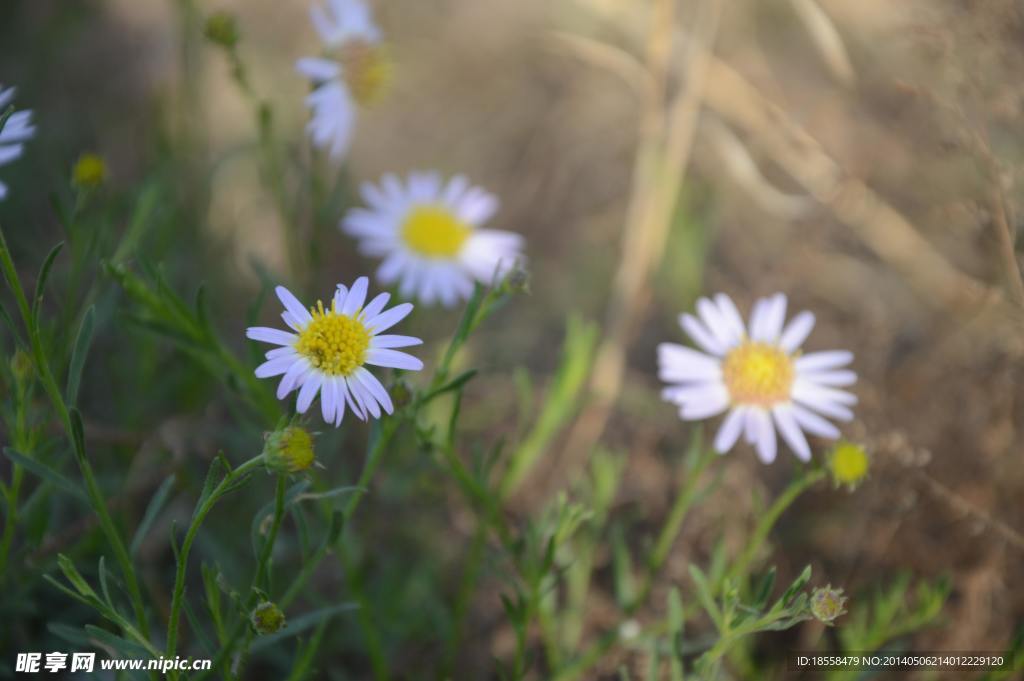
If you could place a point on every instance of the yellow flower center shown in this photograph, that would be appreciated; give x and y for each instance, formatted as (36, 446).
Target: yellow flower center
(334, 343)
(758, 374)
(367, 70)
(434, 232)
(848, 464)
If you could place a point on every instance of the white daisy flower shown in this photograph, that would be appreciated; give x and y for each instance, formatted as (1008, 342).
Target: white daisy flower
(351, 73)
(759, 376)
(16, 130)
(330, 348)
(428, 234)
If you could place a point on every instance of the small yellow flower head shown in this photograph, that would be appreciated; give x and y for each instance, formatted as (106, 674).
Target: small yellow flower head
(89, 172)
(828, 604)
(267, 618)
(222, 29)
(289, 450)
(848, 463)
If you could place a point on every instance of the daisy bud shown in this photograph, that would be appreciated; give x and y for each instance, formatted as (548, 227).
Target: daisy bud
(401, 393)
(289, 450)
(22, 367)
(516, 281)
(827, 604)
(267, 618)
(222, 29)
(848, 463)
(90, 171)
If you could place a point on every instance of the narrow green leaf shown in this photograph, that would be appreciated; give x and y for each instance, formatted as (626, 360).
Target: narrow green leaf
(72, 574)
(104, 588)
(705, 596)
(77, 433)
(44, 274)
(156, 504)
(9, 321)
(46, 473)
(122, 646)
(79, 354)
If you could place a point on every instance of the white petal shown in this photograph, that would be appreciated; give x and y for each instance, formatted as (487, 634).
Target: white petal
(394, 341)
(768, 325)
(375, 388)
(766, 442)
(829, 359)
(806, 391)
(750, 425)
(354, 403)
(386, 320)
(796, 332)
(714, 401)
(295, 308)
(375, 306)
(318, 70)
(830, 409)
(700, 335)
(393, 359)
(310, 387)
(717, 323)
(791, 433)
(338, 388)
(327, 400)
(730, 430)
(814, 424)
(731, 314)
(840, 378)
(275, 367)
(292, 378)
(691, 393)
(363, 396)
(356, 296)
(265, 334)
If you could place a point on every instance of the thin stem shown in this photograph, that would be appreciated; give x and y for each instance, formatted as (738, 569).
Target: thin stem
(670, 531)
(49, 384)
(764, 527)
(177, 599)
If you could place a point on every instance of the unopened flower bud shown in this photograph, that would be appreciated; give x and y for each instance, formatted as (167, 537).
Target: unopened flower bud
(827, 604)
(222, 29)
(90, 171)
(21, 366)
(289, 450)
(401, 393)
(267, 618)
(848, 463)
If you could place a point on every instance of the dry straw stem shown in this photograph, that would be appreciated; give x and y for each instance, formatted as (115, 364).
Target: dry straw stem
(964, 507)
(667, 129)
(826, 39)
(880, 226)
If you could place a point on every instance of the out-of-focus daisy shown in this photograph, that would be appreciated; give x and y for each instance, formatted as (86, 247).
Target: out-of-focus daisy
(428, 234)
(329, 347)
(352, 72)
(16, 130)
(758, 375)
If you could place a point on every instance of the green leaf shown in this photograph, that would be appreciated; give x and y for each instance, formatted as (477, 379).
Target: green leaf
(156, 504)
(705, 596)
(123, 647)
(764, 587)
(102, 568)
(79, 354)
(77, 433)
(72, 574)
(44, 274)
(46, 473)
(9, 321)
(622, 565)
(799, 583)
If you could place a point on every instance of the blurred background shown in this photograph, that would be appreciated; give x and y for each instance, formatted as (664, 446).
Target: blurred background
(861, 156)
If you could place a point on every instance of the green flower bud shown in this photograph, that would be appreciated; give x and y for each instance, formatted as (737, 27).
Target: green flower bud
(827, 604)
(289, 450)
(401, 393)
(222, 29)
(22, 367)
(517, 281)
(848, 463)
(90, 171)
(267, 618)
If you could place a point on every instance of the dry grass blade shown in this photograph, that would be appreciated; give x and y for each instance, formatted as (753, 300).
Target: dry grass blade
(607, 57)
(827, 39)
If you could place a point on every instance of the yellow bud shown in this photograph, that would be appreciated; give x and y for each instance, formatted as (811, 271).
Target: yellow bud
(289, 450)
(267, 618)
(90, 171)
(848, 463)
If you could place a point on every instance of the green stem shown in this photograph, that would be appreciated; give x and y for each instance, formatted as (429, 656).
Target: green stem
(673, 525)
(764, 527)
(49, 383)
(177, 598)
